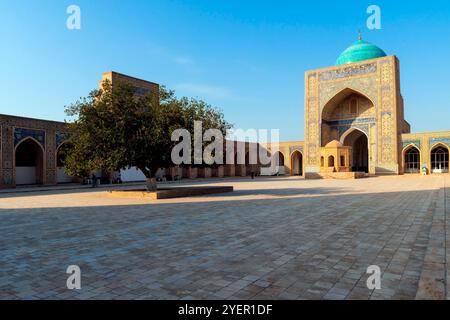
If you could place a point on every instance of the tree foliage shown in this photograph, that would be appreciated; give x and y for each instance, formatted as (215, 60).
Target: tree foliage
(115, 129)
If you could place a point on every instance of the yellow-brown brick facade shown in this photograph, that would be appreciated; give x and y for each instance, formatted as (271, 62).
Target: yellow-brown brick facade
(360, 96)
(142, 87)
(357, 106)
(363, 99)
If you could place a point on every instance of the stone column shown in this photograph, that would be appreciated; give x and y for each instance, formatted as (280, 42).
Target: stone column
(230, 170)
(241, 170)
(193, 173)
(207, 173)
(220, 171)
(50, 158)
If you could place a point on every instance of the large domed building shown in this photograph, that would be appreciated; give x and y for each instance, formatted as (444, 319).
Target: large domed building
(355, 124)
(358, 102)
(360, 51)
(354, 127)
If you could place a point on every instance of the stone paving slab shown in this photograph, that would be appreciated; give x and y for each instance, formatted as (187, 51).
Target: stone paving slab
(278, 238)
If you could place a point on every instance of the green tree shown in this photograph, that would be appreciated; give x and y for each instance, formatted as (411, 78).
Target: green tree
(114, 129)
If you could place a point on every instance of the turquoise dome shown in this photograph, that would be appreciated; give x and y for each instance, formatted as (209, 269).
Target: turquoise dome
(360, 51)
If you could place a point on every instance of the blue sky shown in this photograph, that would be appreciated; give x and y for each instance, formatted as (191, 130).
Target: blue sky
(246, 57)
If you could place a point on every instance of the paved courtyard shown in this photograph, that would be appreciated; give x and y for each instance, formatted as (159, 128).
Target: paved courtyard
(273, 238)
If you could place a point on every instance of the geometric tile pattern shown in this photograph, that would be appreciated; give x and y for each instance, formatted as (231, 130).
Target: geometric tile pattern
(22, 133)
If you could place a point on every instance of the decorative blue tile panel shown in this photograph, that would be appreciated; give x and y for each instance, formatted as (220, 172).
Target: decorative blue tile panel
(343, 125)
(61, 137)
(417, 143)
(349, 122)
(22, 133)
(342, 129)
(445, 141)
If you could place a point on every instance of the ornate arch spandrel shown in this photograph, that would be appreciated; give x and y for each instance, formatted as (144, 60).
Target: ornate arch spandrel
(366, 87)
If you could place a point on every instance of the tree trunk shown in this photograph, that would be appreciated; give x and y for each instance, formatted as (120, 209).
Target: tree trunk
(151, 184)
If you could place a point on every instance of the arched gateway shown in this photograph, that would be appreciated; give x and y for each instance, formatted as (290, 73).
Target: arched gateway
(347, 118)
(29, 162)
(411, 157)
(358, 141)
(440, 159)
(358, 103)
(297, 163)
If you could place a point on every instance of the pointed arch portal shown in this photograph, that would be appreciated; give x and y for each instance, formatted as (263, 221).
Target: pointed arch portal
(29, 163)
(297, 163)
(412, 160)
(349, 95)
(439, 159)
(359, 142)
(330, 161)
(347, 111)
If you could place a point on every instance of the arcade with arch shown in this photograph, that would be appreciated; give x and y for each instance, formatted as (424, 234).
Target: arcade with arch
(29, 151)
